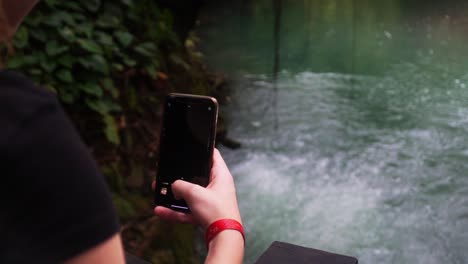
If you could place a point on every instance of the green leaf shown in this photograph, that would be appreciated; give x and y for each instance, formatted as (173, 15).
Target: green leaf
(102, 106)
(51, 3)
(80, 18)
(104, 38)
(112, 106)
(34, 20)
(54, 20)
(132, 98)
(19, 61)
(31, 59)
(151, 70)
(124, 208)
(38, 34)
(127, 2)
(91, 5)
(146, 49)
(16, 62)
(100, 63)
(71, 5)
(91, 88)
(48, 65)
(67, 34)
(129, 62)
(64, 75)
(108, 85)
(90, 46)
(124, 38)
(97, 106)
(116, 50)
(95, 63)
(50, 88)
(85, 62)
(85, 29)
(176, 59)
(52, 48)
(66, 60)
(35, 71)
(66, 17)
(66, 96)
(114, 8)
(111, 131)
(117, 67)
(108, 21)
(21, 38)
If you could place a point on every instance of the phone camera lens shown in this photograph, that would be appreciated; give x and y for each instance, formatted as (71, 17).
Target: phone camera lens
(169, 104)
(189, 106)
(209, 108)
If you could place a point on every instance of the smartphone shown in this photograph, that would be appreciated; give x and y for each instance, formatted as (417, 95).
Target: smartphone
(186, 145)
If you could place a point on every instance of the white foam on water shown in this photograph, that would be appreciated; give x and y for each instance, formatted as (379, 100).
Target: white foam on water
(329, 180)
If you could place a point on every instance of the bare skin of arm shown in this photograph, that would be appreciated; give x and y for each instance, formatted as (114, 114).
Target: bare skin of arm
(216, 201)
(226, 247)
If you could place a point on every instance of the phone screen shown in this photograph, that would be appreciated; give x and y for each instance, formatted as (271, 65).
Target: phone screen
(186, 146)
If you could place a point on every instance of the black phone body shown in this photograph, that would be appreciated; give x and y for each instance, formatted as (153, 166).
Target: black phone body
(186, 145)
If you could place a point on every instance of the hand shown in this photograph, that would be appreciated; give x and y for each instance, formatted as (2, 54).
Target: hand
(216, 201)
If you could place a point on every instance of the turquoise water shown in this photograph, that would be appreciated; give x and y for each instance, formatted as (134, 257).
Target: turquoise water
(361, 145)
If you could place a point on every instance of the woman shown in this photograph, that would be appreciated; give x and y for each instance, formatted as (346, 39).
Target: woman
(56, 207)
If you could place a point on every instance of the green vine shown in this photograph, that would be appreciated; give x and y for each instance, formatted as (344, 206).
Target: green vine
(80, 49)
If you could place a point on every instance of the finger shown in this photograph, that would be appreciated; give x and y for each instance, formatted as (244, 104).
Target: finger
(153, 185)
(218, 162)
(219, 172)
(185, 190)
(213, 162)
(171, 215)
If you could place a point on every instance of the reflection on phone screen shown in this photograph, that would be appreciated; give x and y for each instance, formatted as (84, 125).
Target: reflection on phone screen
(186, 145)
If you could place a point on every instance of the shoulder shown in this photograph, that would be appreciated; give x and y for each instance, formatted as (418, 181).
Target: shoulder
(14, 85)
(51, 176)
(20, 100)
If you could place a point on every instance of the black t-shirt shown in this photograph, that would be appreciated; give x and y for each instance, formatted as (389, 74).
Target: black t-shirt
(54, 203)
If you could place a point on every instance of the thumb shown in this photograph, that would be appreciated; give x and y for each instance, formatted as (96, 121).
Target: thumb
(185, 190)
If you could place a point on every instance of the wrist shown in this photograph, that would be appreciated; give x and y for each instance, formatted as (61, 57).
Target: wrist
(227, 246)
(232, 237)
(224, 228)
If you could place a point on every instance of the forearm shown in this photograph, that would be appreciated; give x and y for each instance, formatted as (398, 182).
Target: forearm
(226, 247)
